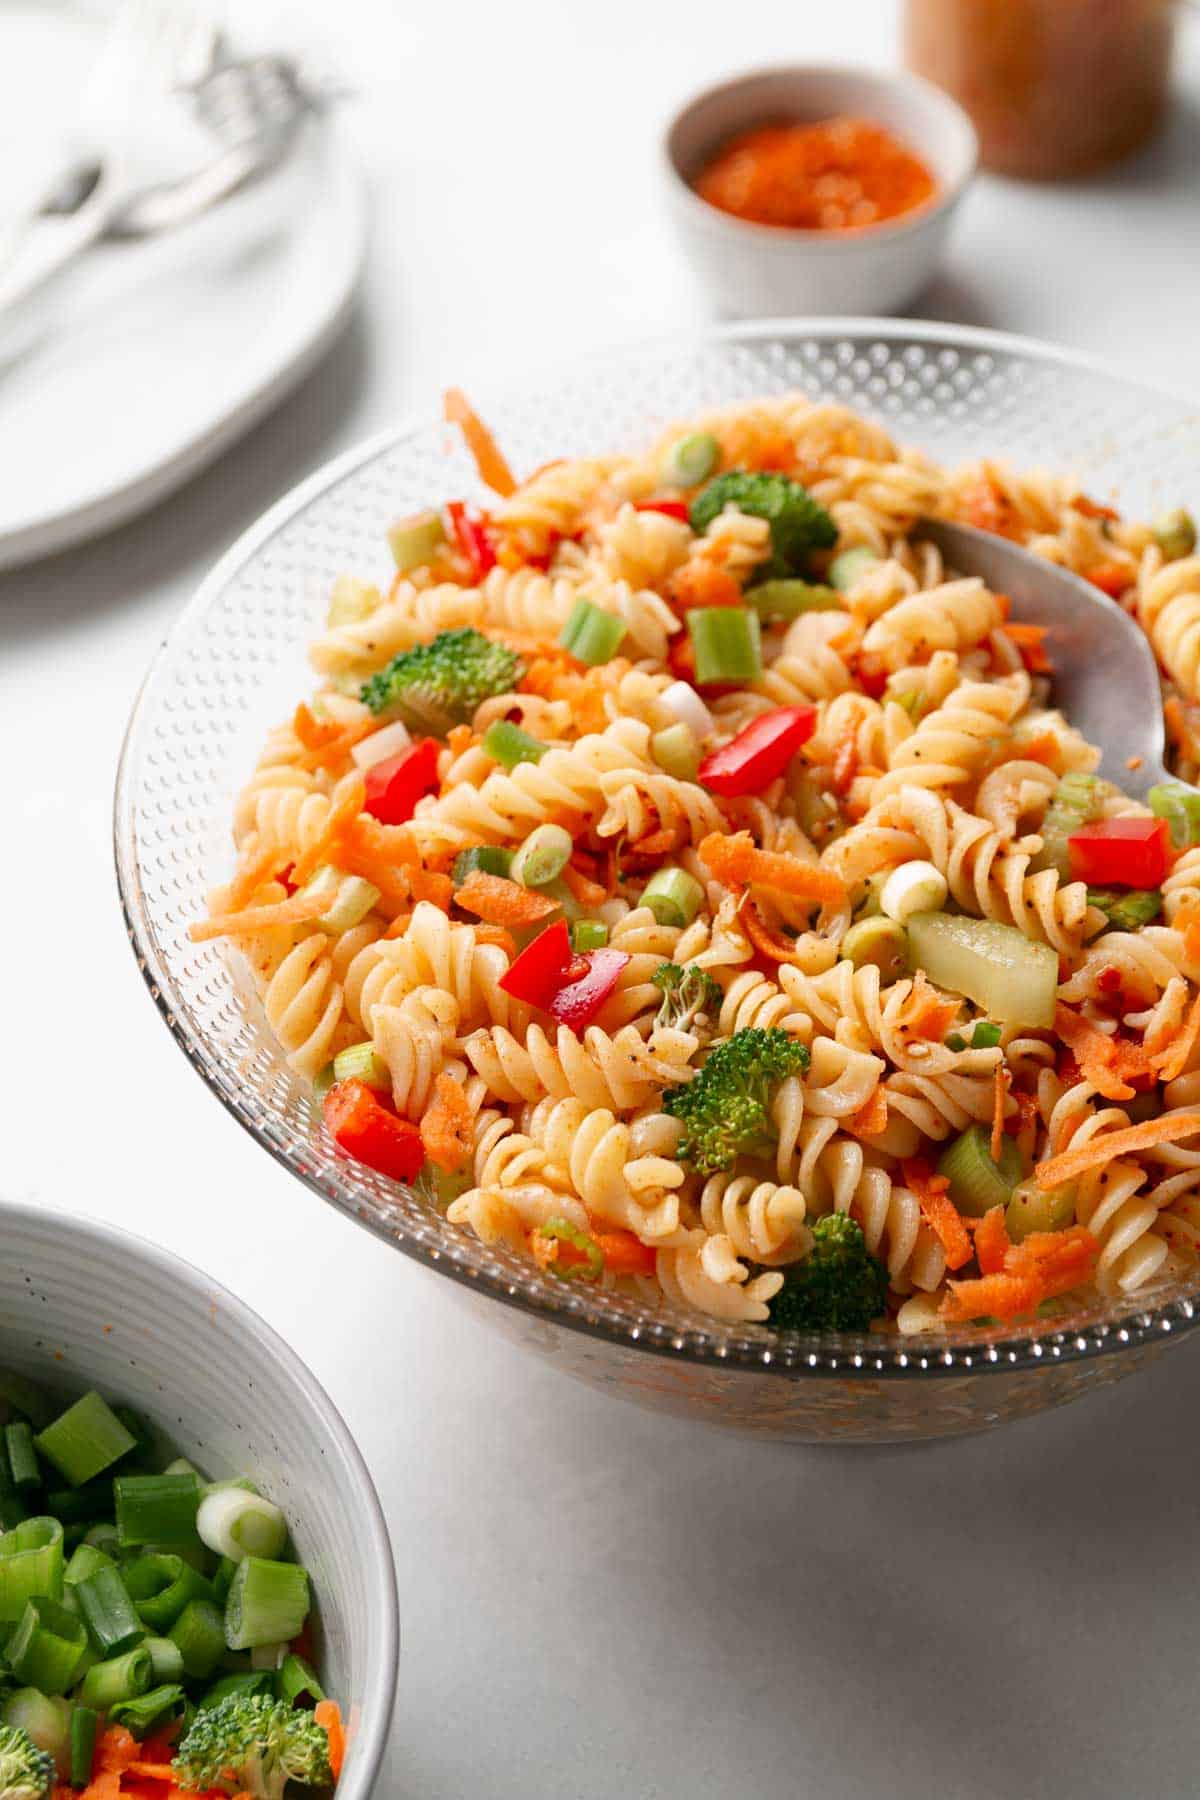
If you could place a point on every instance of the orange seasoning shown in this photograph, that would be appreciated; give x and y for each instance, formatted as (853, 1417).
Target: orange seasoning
(836, 175)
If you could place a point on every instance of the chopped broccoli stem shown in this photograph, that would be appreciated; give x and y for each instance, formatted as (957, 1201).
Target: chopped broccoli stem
(26, 1773)
(725, 1108)
(440, 684)
(689, 994)
(251, 1744)
(839, 1286)
(798, 523)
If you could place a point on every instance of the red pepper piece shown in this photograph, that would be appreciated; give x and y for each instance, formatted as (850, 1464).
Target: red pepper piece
(544, 967)
(1122, 852)
(362, 1126)
(760, 751)
(674, 509)
(471, 535)
(580, 1000)
(396, 784)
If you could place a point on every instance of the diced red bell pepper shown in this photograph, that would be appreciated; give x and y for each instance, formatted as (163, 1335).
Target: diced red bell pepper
(366, 1129)
(674, 509)
(760, 751)
(1121, 852)
(580, 1000)
(544, 967)
(470, 533)
(396, 784)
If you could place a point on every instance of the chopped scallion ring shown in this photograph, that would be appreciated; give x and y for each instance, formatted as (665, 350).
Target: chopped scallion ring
(236, 1524)
(591, 634)
(673, 896)
(543, 856)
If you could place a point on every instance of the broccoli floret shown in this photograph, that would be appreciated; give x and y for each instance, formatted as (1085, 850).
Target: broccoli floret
(255, 1745)
(26, 1773)
(798, 522)
(725, 1108)
(839, 1286)
(687, 991)
(439, 684)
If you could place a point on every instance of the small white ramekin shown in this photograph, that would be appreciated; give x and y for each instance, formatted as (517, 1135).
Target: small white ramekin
(82, 1306)
(768, 270)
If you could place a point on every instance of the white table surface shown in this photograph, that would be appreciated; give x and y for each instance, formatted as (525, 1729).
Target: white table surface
(596, 1601)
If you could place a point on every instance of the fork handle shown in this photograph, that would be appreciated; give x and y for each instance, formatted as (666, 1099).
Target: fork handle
(53, 246)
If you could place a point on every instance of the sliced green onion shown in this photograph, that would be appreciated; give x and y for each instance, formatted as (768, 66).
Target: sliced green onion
(268, 1657)
(31, 1566)
(88, 1438)
(199, 1635)
(235, 1524)
(1180, 807)
(351, 601)
(361, 1062)
(157, 1509)
(243, 1484)
(1074, 802)
(46, 1648)
(112, 1620)
(1175, 533)
(106, 1684)
(489, 859)
(788, 598)
(726, 644)
(561, 1231)
(682, 700)
(351, 899)
(84, 1723)
(1127, 909)
(998, 967)
(955, 1041)
(388, 741)
(849, 566)
(297, 1680)
(677, 751)
(12, 1507)
(591, 634)
(224, 1571)
(1032, 1210)
(985, 1036)
(690, 460)
(543, 856)
(414, 540)
(267, 1602)
(879, 942)
(22, 1457)
(85, 1561)
(977, 1183)
(104, 1536)
(673, 896)
(588, 934)
(166, 1658)
(508, 745)
(181, 1466)
(142, 1712)
(161, 1585)
(247, 1682)
(46, 1721)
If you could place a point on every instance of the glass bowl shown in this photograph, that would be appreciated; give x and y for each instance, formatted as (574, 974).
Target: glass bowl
(235, 664)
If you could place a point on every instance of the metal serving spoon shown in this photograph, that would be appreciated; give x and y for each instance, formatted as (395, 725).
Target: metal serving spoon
(1105, 675)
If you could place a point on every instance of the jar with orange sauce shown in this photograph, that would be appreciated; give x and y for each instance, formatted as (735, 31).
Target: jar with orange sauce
(1054, 87)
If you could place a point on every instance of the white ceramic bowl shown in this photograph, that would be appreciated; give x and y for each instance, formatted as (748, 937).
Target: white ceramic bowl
(82, 1305)
(768, 270)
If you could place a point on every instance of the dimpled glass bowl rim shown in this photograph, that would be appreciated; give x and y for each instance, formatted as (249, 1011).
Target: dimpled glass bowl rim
(899, 355)
(39, 1240)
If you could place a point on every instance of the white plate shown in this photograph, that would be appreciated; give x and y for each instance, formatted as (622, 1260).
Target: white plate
(153, 357)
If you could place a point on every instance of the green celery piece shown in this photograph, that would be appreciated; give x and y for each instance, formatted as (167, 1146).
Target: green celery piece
(1005, 973)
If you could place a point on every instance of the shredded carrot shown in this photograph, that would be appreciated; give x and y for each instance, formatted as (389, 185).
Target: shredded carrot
(871, 1119)
(488, 460)
(926, 1014)
(116, 1749)
(766, 940)
(1044, 748)
(1071, 1164)
(328, 755)
(1092, 509)
(503, 902)
(991, 1241)
(701, 583)
(991, 1296)
(293, 911)
(152, 1771)
(459, 739)
(104, 1786)
(735, 861)
(446, 1125)
(314, 733)
(329, 1714)
(999, 1096)
(625, 1254)
(939, 1210)
(582, 888)
(496, 934)
(986, 506)
(249, 879)
(347, 809)
(1030, 640)
(845, 759)
(662, 842)
(1112, 578)
(1108, 1063)
(1172, 1058)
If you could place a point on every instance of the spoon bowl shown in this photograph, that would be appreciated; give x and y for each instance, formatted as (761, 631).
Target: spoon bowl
(1105, 675)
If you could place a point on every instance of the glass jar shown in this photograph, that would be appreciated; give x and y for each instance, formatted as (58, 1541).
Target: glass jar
(1054, 87)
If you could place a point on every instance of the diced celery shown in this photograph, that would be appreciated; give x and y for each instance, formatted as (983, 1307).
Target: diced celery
(508, 745)
(977, 1182)
(849, 566)
(726, 643)
(1032, 1210)
(1074, 802)
(1127, 909)
(351, 601)
(588, 934)
(985, 1036)
(881, 942)
(362, 1062)
(996, 966)
(414, 540)
(787, 599)
(1180, 807)
(591, 634)
(351, 898)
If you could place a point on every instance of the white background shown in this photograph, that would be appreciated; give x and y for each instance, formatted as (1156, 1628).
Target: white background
(596, 1601)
